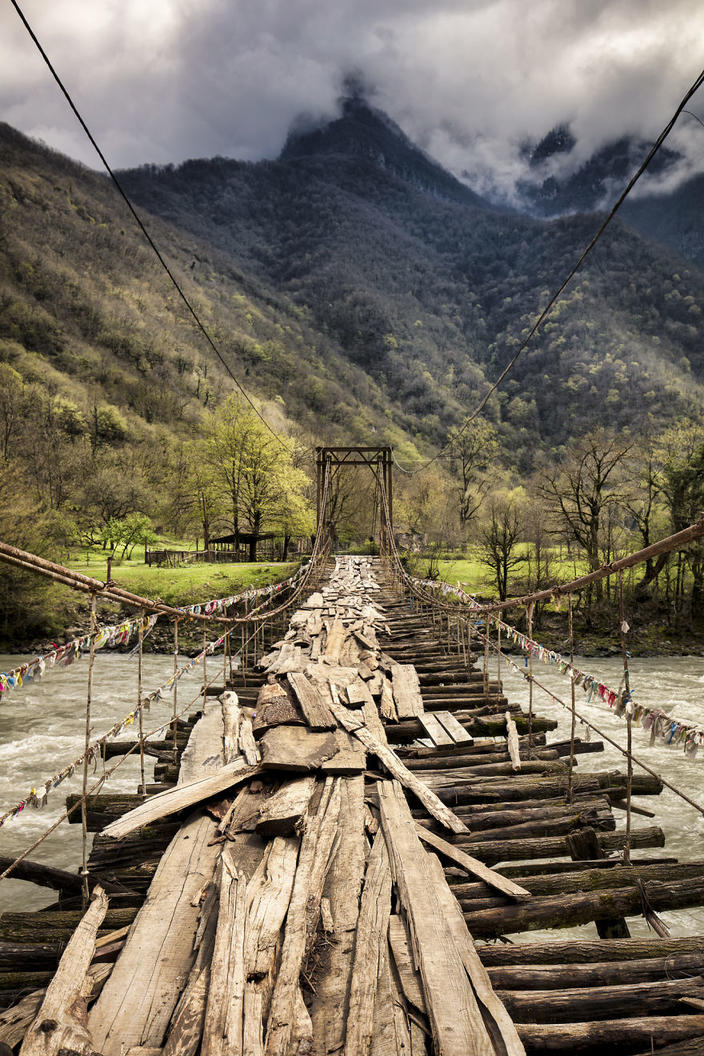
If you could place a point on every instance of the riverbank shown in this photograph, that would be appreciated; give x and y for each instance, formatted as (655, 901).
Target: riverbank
(64, 614)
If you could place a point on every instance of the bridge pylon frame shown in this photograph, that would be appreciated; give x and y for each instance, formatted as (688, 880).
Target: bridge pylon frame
(378, 459)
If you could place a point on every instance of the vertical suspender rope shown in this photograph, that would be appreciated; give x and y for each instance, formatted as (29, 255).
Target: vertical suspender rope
(570, 789)
(205, 673)
(529, 622)
(623, 629)
(486, 656)
(84, 805)
(498, 656)
(174, 722)
(143, 783)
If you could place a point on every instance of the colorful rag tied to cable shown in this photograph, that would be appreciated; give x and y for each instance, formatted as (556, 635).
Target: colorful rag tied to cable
(669, 731)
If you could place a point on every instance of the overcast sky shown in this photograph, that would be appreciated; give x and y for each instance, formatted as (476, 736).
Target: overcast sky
(164, 80)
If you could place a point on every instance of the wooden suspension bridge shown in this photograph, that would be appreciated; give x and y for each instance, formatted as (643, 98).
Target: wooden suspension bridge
(336, 852)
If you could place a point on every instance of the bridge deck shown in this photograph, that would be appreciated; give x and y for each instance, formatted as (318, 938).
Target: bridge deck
(319, 875)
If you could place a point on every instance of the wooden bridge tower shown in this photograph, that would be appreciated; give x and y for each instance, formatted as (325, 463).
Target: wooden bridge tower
(378, 459)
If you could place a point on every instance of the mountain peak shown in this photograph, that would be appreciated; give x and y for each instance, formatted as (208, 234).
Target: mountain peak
(362, 131)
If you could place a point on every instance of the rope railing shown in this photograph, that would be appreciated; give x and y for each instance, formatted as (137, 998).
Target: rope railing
(469, 610)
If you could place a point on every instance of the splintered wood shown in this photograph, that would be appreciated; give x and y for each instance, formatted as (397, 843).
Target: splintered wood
(296, 910)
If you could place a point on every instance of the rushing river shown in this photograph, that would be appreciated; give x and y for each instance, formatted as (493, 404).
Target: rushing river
(42, 728)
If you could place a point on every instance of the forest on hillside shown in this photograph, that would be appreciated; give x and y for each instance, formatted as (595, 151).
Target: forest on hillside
(358, 303)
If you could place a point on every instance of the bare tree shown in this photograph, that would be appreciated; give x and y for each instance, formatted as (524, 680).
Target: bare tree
(580, 491)
(498, 541)
(473, 451)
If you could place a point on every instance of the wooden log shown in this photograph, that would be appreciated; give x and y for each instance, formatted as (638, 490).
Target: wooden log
(578, 1004)
(281, 813)
(561, 825)
(554, 976)
(570, 910)
(43, 875)
(583, 845)
(370, 947)
(455, 1018)
(492, 851)
(587, 951)
(473, 866)
(61, 1023)
(55, 925)
(490, 816)
(181, 798)
(30, 955)
(599, 1037)
(313, 705)
(231, 714)
(585, 880)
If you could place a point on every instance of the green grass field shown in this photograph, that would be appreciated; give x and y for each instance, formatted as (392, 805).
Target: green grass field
(185, 584)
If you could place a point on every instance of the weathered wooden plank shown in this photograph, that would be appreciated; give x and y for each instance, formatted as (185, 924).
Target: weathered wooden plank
(296, 749)
(601, 1002)
(231, 712)
(512, 740)
(350, 758)
(248, 746)
(393, 764)
(456, 730)
(370, 949)
(180, 798)
(409, 978)
(304, 907)
(186, 1026)
(473, 865)
(386, 705)
(61, 1022)
(335, 641)
(406, 687)
(455, 1018)
(313, 705)
(496, 1017)
(280, 814)
(138, 1001)
(343, 887)
(222, 1028)
(435, 730)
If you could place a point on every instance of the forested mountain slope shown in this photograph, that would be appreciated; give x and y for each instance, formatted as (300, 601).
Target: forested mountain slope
(352, 279)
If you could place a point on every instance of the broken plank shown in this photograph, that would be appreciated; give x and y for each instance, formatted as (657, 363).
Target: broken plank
(314, 707)
(455, 728)
(473, 865)
(180, 798)
(393, 764)
(370, 948)
(61, 1020)
(512, 739)
(408, 976)
(455, 1018)
(281, 813)
(406, 687)
(222, 1028)
(296, 748)
(435, 730)
(248, 746)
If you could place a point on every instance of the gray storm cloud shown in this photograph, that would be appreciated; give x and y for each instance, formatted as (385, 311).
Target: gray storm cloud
(468, 80)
